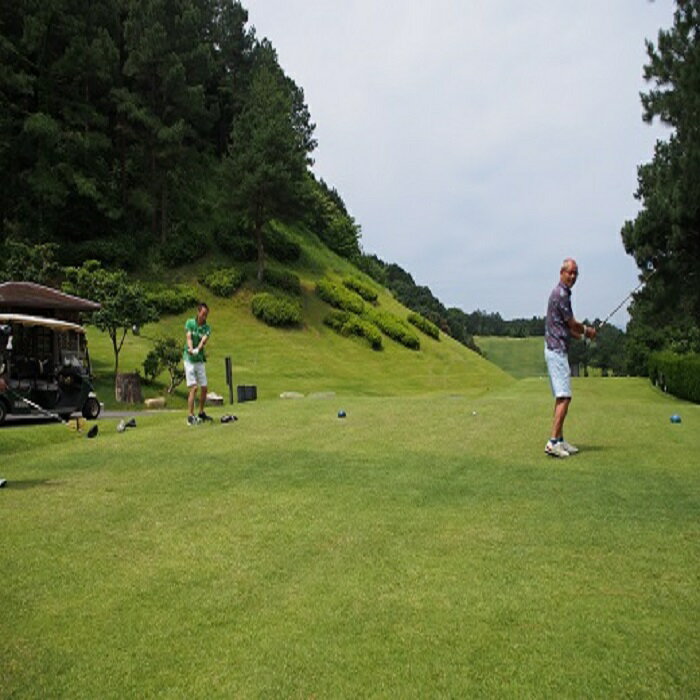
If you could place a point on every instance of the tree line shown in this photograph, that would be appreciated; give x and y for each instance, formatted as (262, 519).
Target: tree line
(135, 130)
(664, 238)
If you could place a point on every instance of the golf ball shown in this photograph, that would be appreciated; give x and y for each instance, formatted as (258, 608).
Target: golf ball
(341, 413)
(675, 418)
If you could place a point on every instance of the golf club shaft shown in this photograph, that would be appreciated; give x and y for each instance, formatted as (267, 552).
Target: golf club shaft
(619, 306)
(36, 407)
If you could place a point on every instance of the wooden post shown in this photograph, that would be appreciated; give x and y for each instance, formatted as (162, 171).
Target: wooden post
(229, 378)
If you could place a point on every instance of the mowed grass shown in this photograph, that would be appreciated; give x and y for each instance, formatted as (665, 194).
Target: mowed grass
(308, 359)
(421, 547)
(520, 357)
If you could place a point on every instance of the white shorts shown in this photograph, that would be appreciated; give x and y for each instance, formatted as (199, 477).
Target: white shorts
(195, 373)
(559, 373)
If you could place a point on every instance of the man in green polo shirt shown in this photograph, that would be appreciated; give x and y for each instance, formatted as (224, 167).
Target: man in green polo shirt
(197, 332)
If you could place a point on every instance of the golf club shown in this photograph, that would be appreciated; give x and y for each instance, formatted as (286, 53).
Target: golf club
(50, 414)
(652, 271)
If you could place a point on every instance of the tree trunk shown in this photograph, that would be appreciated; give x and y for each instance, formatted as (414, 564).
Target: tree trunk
(164, 211)
(127, 388)
(261, 251)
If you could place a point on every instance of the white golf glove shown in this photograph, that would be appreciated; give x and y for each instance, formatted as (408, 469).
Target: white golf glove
(195, 351)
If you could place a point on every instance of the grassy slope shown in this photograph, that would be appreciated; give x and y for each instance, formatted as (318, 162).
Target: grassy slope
(406, 551)
(520, 357)
(313, 358)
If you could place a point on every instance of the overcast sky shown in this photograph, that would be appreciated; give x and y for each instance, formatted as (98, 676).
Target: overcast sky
(479, 142)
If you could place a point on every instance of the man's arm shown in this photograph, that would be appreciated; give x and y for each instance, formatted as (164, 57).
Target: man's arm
(579, 330)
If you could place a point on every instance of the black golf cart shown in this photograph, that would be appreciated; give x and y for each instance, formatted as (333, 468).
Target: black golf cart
(44, 361)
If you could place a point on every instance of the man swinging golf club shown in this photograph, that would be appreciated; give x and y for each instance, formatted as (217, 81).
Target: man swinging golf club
(197, 334)
(560, 327)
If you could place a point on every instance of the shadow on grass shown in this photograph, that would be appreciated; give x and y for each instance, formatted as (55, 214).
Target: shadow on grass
(593, 448)
(32, 484)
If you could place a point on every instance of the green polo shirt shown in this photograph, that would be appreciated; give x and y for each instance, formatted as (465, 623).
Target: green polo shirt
(198, 332)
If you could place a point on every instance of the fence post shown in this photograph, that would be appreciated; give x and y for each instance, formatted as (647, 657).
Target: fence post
(229, 378)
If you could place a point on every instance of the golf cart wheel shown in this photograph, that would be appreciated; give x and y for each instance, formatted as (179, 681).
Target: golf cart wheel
(3, 411)
(91, 408)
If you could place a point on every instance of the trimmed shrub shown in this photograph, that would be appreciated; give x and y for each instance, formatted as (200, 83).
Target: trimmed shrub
(171, 300)
(282, 279)
(345, 323)
(394, 327)
(338, 296)
(275, 310)
(677, 374)
(223, 281)
(239, 248)
(280, 246)
(422, 324)
(364, 290)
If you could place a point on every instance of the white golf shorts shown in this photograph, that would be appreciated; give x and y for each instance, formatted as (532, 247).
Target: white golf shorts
(195, 373)
(559, 373)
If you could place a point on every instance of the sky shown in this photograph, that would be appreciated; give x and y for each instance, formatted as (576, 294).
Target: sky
(480, 142)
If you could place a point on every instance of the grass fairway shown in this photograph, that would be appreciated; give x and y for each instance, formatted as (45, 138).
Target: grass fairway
(411, 550)
(520, 357)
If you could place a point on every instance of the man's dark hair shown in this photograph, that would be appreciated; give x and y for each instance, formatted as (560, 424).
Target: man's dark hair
(202, 305)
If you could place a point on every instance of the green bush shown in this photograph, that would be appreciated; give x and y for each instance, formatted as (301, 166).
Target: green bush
(280, 246)
(364, 290)
(223, 281)
(275, 310)
(239, 248)
(236, 240)
(183, 246)
(394, 327)
(338, 296)
(422, 324)
(282, 279)
(345, 323)
(171, 300)
(677, 374)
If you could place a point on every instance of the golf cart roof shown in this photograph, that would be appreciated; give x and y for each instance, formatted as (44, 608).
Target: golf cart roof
(15, 296)
(53, 323)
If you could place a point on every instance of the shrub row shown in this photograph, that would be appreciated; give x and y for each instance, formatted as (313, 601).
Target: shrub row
(171, 300)
(364, 290)
(282, 279)
(223, 281)
(422, 324)
(394, 327)
(346, 323)
(275, 310)
(340, 297)
(677, 374)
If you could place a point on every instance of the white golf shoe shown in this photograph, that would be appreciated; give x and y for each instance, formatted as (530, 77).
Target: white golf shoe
(571, 449)
(555, 449)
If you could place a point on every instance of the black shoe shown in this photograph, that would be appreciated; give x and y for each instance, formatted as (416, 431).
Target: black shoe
(130, 423)
(93, 431)
(203, 416)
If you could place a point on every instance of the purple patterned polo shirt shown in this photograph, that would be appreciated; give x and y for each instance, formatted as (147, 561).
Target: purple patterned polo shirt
(556, 329)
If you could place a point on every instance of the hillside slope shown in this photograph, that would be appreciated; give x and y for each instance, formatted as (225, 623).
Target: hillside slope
(312, 358)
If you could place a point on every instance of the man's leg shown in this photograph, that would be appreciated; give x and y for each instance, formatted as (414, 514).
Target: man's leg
(561, 408)
(190, 399)
(202, 398)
